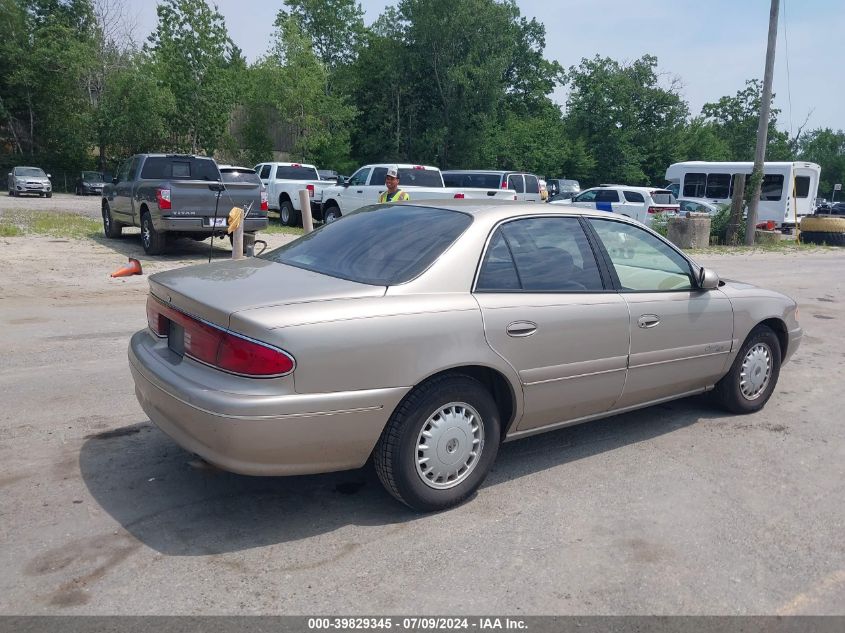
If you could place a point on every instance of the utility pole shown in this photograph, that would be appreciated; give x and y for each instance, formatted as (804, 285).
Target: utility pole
(763, 126)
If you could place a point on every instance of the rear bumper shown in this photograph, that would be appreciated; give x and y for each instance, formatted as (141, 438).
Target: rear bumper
(258, 434)
(195, 225)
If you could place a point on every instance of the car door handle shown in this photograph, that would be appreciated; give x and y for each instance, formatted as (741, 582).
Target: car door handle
(520, 329)
(648, 320)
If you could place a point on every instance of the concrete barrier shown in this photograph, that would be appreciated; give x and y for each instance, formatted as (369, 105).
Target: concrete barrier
(690, 231)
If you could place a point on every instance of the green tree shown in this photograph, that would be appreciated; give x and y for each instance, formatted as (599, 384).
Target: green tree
(735, 120)
(335, 28)
(194, 57)
(633, 126)
(826, 148)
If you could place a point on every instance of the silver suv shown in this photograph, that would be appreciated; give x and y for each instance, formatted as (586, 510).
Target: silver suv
(29, 180)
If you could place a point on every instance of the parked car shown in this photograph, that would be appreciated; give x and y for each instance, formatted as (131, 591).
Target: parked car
(284, 181)
(564, 187)
(420, 182)
(425, 334)
(90, 183)
(23, 180)
(694, 205)
(526, 186)
(245, 190)
(639, 203)
(175, 195)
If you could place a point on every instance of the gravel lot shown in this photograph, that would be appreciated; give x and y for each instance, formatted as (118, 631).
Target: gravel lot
(64, 202)
(677, 509)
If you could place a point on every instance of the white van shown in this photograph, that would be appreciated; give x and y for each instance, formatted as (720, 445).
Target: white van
(787, 192)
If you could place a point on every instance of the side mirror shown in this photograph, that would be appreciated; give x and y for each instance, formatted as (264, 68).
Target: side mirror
(707, 279)
(345, 183)
(114, 180)
(49, 175)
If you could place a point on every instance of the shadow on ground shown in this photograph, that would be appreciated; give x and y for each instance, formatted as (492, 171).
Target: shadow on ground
(184, 249)
(176, 504)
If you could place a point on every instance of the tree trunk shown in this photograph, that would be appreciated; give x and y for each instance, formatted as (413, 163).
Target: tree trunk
(732, 237)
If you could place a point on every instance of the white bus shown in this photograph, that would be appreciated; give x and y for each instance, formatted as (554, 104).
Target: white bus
(788, 191)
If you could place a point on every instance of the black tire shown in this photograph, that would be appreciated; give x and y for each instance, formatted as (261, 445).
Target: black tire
(11, 193)
(152, 241)
(821, 237)
(111, 229)
(78, 191)
(395, 455)
(286, 213)
(331, 213)
(729, 391)
(49, 195)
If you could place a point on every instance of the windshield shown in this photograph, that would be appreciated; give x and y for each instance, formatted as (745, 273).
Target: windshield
(37, 172)
(380, 246)
(662, 197)
(92, 176)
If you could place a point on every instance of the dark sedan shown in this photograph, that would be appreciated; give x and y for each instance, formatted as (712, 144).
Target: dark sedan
(90, 183)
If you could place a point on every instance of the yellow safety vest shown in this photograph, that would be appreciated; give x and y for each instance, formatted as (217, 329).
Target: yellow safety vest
(399, 196)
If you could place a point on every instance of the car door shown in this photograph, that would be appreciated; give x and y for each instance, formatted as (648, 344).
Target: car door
(548, 312)
(352, 195)
(263, 171)
(681, 336)
(517, 183)
(532, 188)
(608, 200)
(586, 199)
(634, 205)
(376, 186)
(121, 203)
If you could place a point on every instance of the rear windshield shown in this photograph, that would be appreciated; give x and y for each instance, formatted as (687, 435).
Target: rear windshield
(180, 167)
(381, 246)
(240, 175)
(479, 181)
(296, 173)
(662, 197)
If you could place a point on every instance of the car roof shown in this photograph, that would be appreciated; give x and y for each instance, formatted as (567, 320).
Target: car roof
(486, 171)
(236, 167)
(630, 188)
(504, 209)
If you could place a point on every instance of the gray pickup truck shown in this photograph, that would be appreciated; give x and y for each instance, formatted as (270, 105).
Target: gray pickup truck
(174, 195)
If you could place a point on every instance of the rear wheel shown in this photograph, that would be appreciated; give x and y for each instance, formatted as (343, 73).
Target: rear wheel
(752, 378)
(152, 241)
(286, 212)
(439, 444)
(331, 214)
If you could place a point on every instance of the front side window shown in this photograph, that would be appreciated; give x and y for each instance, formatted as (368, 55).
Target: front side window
(540, 255)
(642, 261)
(360, 177)
(376, 245)
(694, 185)
(587, 196)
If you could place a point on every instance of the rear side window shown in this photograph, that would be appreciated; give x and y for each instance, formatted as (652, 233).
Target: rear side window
(296, 173)
(410, 177)
(718, 186)
(802, 186)
(380, 246)
(240, 175)
(633, 196)
(532, 185)
(515, 182)
(540, 255)
(607, 195)
(478, 181)
(180, 168)
(772, 187)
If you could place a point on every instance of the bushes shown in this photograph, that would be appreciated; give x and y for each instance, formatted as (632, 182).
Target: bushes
(719, 227)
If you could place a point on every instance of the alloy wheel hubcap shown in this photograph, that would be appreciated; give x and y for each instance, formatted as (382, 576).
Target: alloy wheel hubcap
(449, 445)
(756, 371)
(146, 233)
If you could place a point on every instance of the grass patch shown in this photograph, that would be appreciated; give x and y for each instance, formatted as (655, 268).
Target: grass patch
(49, 223)
(276, 229)
(782, 246)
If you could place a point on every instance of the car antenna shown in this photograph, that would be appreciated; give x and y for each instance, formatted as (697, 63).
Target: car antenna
(219, 188)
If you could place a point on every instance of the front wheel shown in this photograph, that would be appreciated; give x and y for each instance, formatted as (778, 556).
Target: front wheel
(439, 444)
(50, 195)
(331, 214)
(752, 378)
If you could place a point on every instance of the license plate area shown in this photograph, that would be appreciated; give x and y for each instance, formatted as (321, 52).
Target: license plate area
(176, 338)
(215, 222)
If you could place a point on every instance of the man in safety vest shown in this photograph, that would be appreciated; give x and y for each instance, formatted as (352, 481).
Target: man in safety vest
(391, 181)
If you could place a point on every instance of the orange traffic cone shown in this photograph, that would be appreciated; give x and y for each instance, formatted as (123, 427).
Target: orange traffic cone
(134, 268)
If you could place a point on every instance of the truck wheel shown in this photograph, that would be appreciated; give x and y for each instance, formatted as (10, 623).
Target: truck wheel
(823, 237)
(152, 241)
(111, 229)
(331, 214)
(286, 213)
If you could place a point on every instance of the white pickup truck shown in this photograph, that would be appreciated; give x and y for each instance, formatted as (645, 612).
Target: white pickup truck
(421, 182)
(284, 182)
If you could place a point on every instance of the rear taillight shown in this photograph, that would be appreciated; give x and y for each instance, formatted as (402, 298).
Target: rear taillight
(310, 189)
(163, 198)
(504, 184)
(419, 167)
(218, 348)
(264, 205)
(460, 196)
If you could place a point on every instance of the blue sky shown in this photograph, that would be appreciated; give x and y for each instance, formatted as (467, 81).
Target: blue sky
(711, 46)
